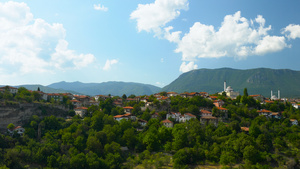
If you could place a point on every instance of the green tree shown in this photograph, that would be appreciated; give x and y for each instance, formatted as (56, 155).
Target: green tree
(78, 161)
(245, 92)
(251, 154)
(10, 126)
(227, 158)
(94, 145)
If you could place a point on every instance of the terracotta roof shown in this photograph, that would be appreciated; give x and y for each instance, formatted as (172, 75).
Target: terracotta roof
(205, 111)
(127, 114)
(74, 101)
(141, 120)
(167, 121)
(222, 108)
(264, 111)
(213, 97)
(293, 120)
(255, 95)
(53, 94)
(81, 108)
(128, 107)
(117, 116)
(189, 114)
(17, 127)
(245, 128)
(267, 101)
(171, 93)
(8, 87)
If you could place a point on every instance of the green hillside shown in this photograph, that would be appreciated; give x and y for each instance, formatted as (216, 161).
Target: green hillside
(113, 88)
(257, 81)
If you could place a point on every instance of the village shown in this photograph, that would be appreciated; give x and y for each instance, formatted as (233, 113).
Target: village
(81, 103)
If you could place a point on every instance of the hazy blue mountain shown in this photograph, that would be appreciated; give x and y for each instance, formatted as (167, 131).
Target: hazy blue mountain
(46, 89)
(257, 81)
(105, 88)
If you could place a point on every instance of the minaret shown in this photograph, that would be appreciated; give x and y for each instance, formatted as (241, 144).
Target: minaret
(271, 94)
(225, 86)
(278, 94)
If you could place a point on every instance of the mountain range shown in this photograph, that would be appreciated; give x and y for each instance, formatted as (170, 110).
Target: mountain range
(257, 81)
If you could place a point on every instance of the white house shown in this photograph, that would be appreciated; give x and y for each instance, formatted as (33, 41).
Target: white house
(126, 116)
(170, 94)
(189, 116)
(167, 123)
(128, 109)
(142, 122)
(264, 112)
(294, 121)
(81, 111)
(12, 90)
(173, 115)
(20, 130)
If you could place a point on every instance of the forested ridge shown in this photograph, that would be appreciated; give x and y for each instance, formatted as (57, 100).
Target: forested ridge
(99, 141)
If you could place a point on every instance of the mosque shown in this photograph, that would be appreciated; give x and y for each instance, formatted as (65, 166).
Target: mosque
(230, 92)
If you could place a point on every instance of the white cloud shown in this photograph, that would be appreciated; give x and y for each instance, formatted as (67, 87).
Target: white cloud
(270, 44)
(152, 17)
(26, 44)
(64, 58)
(187, 67)
(100, 7)
(292, 31)
(109, 63)
(237, 37)
(162, 60)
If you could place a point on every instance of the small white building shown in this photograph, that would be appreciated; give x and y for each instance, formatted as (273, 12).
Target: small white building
(142, 122)
(167, 123)
(11, 89)
(81, 111)
(294, 121)
(19, 129)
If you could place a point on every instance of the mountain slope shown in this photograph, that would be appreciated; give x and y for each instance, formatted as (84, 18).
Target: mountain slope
(257, 81)
(46, 89)
(113, 88)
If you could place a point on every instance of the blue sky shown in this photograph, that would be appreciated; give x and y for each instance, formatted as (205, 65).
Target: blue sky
(144, 41)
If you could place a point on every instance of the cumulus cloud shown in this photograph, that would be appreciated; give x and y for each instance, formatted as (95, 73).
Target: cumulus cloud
(26, 44)
(152, 17)
(109, 63)
(188, 67)
(100, 7)
(292, 31)
(237, 37)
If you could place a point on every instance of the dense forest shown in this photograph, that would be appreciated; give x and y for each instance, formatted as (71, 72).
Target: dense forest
(99, 141)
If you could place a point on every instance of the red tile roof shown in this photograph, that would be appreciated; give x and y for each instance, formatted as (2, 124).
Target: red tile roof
(189, 114)
(264, 111)
(245, 128)
(222, 108)
(128, 107)
(81, 108)
(205, 111)
(167, 121)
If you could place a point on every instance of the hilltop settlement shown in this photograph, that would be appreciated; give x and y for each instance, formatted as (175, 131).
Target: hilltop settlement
(166, 129)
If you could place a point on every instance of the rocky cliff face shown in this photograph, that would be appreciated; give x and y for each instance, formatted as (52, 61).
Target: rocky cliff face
(19, 114)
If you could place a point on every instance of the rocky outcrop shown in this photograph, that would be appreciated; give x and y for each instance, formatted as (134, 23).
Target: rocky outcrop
(19, 114)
